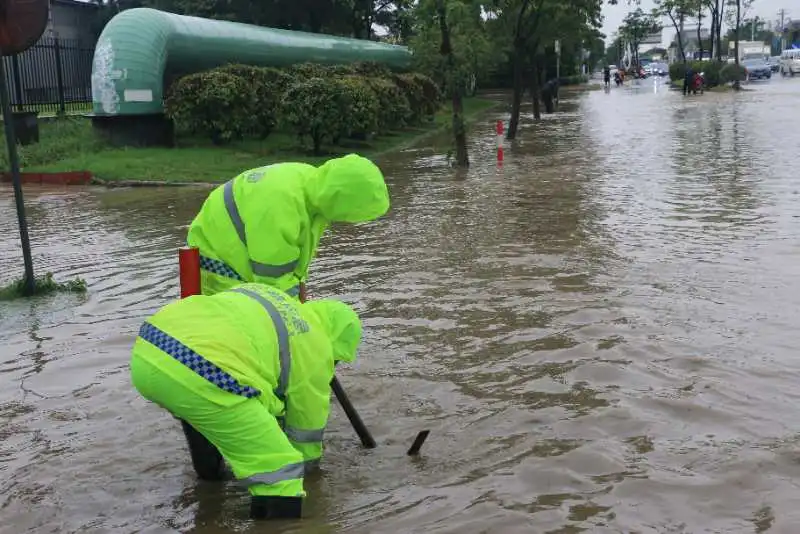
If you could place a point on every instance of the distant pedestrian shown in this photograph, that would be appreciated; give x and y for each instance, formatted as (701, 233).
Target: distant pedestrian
(688, 80)
(607, 76)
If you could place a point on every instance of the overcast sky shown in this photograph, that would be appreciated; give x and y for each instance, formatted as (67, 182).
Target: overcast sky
(767, 9)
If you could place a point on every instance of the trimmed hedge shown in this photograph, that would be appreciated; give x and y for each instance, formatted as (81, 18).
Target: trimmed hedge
(268, 86)
(712, 72)
(321, 104)
(360, 105)
(732, 72)
(213, 104)
(313, 108)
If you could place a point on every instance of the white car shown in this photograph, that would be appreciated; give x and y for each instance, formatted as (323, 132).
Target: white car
(790, 62)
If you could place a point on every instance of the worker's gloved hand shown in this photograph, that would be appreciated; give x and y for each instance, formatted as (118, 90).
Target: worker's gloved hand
(270, 507)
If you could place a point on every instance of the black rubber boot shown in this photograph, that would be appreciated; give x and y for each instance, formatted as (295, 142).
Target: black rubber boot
(269, 507)
(206, 459)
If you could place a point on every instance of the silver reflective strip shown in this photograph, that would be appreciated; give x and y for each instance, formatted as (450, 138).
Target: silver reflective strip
(283, 339)
(293, 291)
(287, 472)
(274, 271)
(233, 211)
(304, 436)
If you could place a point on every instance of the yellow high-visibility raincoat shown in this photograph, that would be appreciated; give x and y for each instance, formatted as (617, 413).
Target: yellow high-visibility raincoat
(250, 369)
(265, 225)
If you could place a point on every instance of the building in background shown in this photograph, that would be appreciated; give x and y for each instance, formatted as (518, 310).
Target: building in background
(72, 20)
(650, 42)
(57, 69)
(691, 46)
(791, 34)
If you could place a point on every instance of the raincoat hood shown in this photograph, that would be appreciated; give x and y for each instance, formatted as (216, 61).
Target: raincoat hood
(349, 189)
(342, 325)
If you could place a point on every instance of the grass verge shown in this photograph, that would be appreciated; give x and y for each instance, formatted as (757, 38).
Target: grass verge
(70, 144)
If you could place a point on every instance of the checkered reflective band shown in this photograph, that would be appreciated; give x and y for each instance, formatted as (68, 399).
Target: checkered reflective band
(219, 267)
(194, 361)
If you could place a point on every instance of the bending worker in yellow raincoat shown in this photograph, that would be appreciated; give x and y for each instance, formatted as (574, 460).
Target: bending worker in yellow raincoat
(250, 368)
(265, 225)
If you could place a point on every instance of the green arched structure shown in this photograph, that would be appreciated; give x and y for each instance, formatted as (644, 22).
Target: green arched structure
(141, 50)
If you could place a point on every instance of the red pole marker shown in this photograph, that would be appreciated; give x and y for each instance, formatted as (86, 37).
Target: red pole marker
(189, 265)
(499, 130)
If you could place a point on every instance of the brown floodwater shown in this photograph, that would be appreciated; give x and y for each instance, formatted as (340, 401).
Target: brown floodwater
(601, 336)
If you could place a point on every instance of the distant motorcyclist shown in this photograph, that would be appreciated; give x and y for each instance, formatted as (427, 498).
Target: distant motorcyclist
(698, 83)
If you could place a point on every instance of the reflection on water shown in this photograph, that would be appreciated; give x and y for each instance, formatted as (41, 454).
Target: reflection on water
(598, 334)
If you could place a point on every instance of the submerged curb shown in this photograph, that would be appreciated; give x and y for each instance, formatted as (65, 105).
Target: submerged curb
(148, 183)
(52, 178)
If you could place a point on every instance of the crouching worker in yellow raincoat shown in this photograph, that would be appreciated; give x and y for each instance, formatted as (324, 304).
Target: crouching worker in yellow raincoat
(250, 369)
(265, 224)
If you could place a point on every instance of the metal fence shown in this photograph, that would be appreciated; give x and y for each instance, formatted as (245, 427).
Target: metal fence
(53, 76)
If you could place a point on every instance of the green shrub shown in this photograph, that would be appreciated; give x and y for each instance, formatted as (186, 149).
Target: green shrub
(370, 69)
(341, 70)
(414, 93)
(359, 107)
(268, 85)
(306, 71)
(431, 92)
(214, 104)
(711, 72)
(393, 106)
(677, 71)
(313, 108)
(732, 72)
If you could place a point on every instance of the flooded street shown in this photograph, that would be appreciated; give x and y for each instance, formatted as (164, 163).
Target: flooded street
(601, 336)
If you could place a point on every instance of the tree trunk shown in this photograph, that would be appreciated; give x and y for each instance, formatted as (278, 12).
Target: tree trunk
(712, 34)
(678, 34)
(736, 84)
(699, 33)
(536, 89)
(516, 101)
(459, 130)
(720, 16)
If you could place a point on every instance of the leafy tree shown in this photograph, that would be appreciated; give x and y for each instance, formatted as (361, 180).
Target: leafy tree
(451, 45)
(717, 10)
(531, 26)
(635, 27)
(676, 11)
(740, 8)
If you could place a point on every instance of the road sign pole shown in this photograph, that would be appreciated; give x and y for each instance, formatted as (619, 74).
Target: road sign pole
(13, 159)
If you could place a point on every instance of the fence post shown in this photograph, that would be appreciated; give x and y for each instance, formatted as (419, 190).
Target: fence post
(62, 108)
(20, 98)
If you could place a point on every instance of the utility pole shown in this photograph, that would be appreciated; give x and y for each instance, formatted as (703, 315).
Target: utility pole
(558, 59)
(781, 29)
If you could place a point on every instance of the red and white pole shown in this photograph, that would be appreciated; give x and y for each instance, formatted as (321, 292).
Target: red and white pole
(499, 130)
(189, 266)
